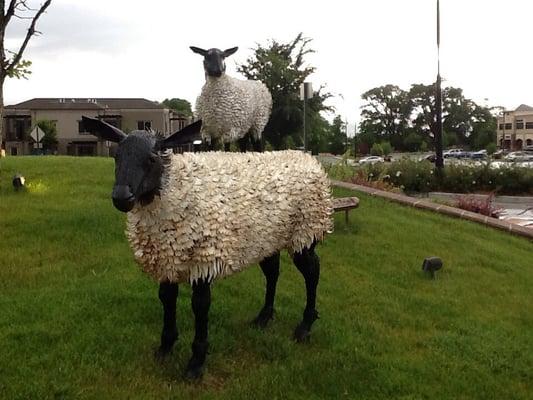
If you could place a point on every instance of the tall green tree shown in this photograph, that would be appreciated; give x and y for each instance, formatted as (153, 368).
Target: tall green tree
(181, 106)
(424, 111)
(386, 113)
(318, 131)
(12, 65)
(337, 136)
(49, 128)
(282, 68)
(462, 118)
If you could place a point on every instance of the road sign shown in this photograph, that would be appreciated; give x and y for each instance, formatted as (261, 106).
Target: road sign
(37, 134)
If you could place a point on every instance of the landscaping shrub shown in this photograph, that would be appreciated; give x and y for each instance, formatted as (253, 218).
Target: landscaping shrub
(491, 148)
(376, 150)
(412, 176)
(415, 177)
(387, 148)
(340, 171)
(381, 181)
(484, 206)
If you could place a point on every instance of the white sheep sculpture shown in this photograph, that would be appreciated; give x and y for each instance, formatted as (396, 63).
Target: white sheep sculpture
(195, 217)
(231, 109)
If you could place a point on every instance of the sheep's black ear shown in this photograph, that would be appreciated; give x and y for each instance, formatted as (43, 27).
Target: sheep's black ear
(187, 135)
(102, 129)
(198, 50)
(229, 52)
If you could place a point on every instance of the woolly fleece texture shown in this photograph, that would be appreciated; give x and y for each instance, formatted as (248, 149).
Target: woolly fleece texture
(220, 212)
(229, 108)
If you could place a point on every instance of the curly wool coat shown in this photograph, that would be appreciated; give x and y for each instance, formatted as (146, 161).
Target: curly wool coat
(230, 108)
(219, 212)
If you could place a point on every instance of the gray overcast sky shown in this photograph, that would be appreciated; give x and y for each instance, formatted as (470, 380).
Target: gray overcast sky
(134, 48)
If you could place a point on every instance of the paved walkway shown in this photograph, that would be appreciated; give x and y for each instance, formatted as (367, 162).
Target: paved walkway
(440, 208)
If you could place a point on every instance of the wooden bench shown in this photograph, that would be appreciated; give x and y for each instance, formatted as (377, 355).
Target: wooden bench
(345, 204)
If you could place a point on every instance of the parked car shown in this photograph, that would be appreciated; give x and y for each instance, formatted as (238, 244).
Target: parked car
(371, 160)
(478, 155)
(455, 153)
(518, 156)
(429, 157)
(499, 154)
(463, 154)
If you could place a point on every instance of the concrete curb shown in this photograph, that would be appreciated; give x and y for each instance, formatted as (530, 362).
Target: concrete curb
(440, 208)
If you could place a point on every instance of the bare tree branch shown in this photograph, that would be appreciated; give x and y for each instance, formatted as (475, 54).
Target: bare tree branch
(10, 12)
(22, 4)
(29, 34)
(21, 17)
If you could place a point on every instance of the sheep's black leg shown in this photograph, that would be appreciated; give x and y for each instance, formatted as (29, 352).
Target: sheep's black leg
(227, 147)
(168, 293)
(308, 264)
(257, 145)
(243, 144)
(201, 300)
(270, 267)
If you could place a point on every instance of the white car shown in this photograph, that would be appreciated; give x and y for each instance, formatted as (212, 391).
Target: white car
(518, 156)
(453, 153)
(371, 160)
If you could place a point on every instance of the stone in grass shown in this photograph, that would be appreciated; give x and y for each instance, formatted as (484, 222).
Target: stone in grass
(432, 264)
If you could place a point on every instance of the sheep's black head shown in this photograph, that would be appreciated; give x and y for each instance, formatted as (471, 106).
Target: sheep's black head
(214, 64)
(138, 164)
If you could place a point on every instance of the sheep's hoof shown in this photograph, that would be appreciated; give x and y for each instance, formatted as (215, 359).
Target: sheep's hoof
(263, 318)
(161, 354)
(302, 334)
(194, 373)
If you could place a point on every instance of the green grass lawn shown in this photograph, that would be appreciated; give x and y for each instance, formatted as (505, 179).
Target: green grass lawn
(79, 320)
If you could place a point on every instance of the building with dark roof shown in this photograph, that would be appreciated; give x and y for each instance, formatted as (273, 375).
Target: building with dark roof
(127, 114)
(515, 128)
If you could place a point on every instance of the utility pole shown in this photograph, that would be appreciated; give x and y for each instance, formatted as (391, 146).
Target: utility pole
(354, 140)
(439, 161)
(346, 135)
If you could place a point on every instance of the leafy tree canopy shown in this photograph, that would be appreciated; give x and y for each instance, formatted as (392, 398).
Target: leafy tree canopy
(181, 106)
(282, 68)
(392, 114)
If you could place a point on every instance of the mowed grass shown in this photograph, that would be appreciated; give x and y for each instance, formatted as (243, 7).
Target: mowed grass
(79, 320)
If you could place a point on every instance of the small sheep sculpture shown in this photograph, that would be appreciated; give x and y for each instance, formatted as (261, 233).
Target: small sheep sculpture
(195, 217)
(231, 109)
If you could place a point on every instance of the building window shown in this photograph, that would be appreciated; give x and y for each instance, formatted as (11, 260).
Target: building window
(508, 126)
(144, 125)
(500, 127)
(17, 128)
(81, 129)
(519, 125)
(529, 125)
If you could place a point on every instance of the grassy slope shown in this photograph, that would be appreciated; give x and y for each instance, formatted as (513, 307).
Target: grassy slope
(78, 319)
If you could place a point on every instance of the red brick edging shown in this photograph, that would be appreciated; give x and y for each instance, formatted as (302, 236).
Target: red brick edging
(440, 208)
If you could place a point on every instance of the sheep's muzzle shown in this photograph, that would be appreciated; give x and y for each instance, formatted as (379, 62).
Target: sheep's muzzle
(123, 198)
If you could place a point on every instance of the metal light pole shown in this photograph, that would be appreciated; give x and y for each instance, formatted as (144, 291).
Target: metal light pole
(306, 92)
(354, 140)
(439, 161)
(346, 135)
